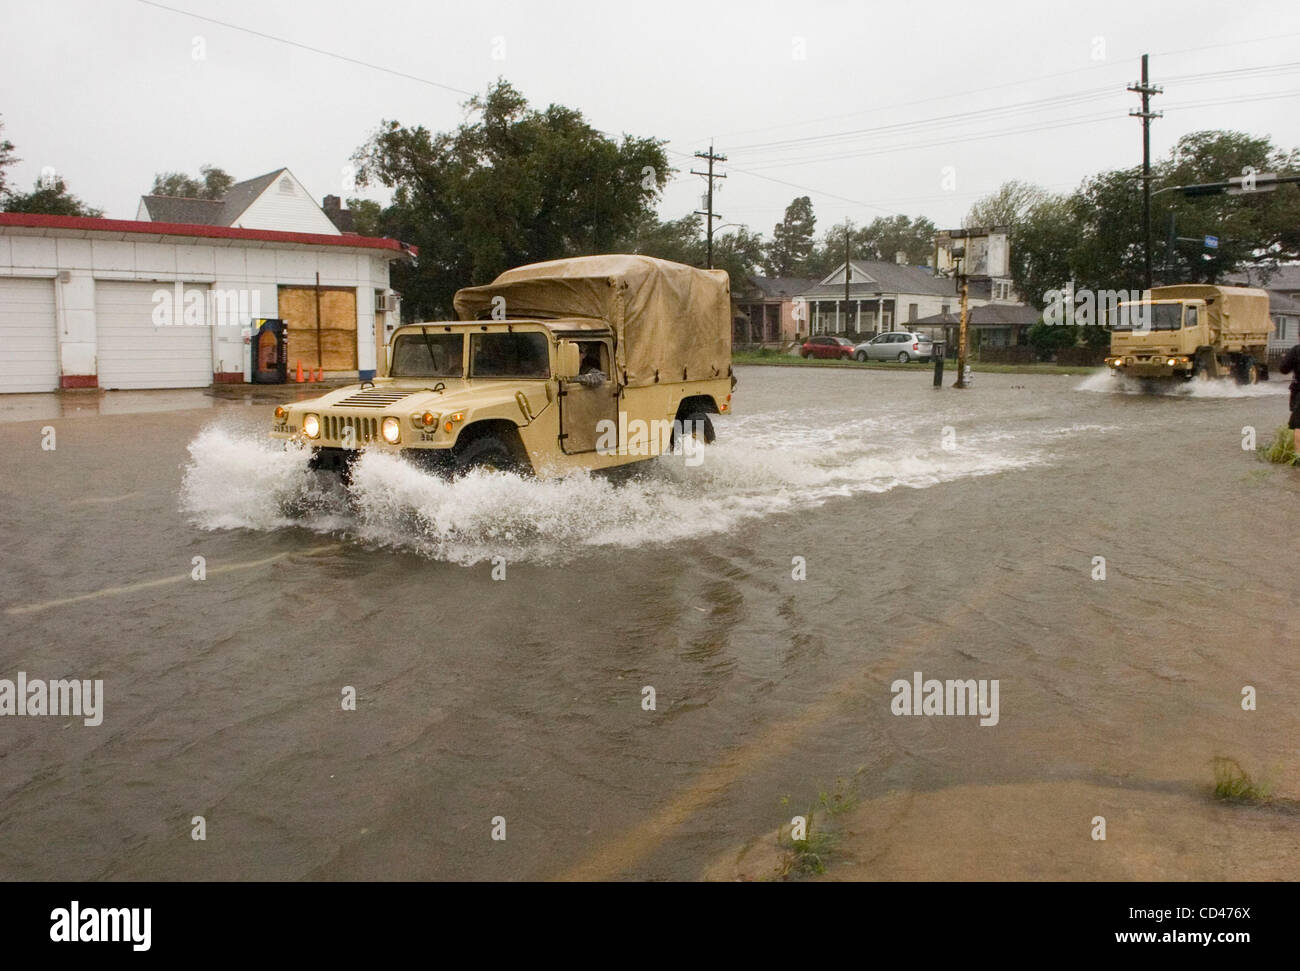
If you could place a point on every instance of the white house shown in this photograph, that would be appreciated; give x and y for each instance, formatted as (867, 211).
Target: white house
(276, 200)
(881, 297)
(114, 303)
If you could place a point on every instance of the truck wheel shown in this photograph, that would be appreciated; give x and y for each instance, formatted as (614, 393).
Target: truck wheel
(1248, 371)
(488, 453)
(697, 423)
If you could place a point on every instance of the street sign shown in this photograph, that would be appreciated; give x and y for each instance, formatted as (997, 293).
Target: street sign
(1211, 242)
(1240, 185)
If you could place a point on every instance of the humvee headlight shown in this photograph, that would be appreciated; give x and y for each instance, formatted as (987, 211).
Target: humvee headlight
(280, 413)
(391, 430)
(311, 426)
(1171, 361)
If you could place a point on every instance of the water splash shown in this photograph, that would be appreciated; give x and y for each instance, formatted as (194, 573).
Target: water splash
(761, 466)
(1105, 382)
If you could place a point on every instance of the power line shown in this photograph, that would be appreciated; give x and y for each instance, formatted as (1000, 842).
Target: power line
(307, 47)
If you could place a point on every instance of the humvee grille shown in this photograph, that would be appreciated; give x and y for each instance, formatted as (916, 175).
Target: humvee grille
(373, 398)
(335, 428)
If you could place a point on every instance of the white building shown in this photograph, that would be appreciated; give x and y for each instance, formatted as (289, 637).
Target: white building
(115, 303)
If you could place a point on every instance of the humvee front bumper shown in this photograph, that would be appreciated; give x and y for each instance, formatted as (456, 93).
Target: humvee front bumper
(1151, 366)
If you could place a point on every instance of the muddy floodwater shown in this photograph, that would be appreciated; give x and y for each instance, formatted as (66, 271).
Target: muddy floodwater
(955, 534)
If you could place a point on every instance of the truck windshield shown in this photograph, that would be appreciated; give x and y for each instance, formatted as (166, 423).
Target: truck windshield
(1140, 316)
(509, 356)
(427, 355)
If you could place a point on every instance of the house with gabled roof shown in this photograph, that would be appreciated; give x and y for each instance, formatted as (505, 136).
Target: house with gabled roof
(881, 297)
(766, 313)
(275, 201)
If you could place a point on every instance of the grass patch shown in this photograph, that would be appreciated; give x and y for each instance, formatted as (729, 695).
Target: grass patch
(1233, 783)
(808, 856)
(1281, 451)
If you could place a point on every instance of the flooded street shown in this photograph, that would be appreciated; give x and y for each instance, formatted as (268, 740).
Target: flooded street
(943, 532)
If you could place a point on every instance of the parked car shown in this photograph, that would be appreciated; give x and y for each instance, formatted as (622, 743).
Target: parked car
(901, 346)
(837, 348)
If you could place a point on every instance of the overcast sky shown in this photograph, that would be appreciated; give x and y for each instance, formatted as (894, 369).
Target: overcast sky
(110, 92)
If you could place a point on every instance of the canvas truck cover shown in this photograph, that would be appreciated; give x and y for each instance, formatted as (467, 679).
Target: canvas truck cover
(1234, 312)
(672, 322)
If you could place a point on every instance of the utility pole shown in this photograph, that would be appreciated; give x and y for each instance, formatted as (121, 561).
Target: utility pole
(1146, 89)
(710, 214)
(961, 333)
(848, 272)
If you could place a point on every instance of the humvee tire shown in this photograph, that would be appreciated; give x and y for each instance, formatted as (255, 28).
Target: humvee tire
(486, 452)
(705, 423)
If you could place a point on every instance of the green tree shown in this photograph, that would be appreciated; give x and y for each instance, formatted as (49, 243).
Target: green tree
(49, 197)
(7, 158)
(881, 239)
(1093, 236)
(511, 185)
(367, 217)
(792, 240)
(212, 183)
(1009, 204)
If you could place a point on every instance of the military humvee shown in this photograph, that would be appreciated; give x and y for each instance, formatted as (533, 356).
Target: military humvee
(1193, 331)
(590, 362)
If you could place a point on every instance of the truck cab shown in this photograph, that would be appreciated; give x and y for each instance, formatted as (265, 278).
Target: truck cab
(1191, 331)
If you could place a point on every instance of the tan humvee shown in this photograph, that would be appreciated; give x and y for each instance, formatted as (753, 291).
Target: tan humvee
(1193, 331)
(589, 363)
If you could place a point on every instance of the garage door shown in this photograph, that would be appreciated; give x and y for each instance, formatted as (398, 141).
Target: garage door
(29, 347)
(136, 352)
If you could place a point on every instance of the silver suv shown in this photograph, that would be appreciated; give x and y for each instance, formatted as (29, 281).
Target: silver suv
(901, 346)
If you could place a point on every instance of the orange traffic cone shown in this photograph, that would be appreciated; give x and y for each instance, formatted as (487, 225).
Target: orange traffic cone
(300, 372)
(320, 374)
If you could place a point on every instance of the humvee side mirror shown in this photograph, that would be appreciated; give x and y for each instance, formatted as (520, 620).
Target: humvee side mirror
(568, 360)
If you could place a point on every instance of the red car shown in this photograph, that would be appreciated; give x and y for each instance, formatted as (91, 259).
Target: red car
(837, 348)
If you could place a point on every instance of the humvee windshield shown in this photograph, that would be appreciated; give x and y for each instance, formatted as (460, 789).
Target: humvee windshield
(509, 356)
(1161, 316)
(427, 356)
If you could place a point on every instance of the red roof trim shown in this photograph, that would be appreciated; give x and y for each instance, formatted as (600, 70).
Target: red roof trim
(88, 224)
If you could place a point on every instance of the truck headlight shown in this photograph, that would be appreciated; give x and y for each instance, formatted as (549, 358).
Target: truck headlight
(391, 430)
(311, 426)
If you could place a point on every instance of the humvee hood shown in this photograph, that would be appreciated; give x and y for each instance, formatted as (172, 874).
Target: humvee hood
(672, 322)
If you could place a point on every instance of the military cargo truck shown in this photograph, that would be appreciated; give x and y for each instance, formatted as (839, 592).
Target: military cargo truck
(589, 363)
(1192, 331)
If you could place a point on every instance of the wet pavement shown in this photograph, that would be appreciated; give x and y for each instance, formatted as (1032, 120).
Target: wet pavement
(951, 533)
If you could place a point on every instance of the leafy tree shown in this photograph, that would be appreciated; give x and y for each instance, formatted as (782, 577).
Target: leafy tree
(1046, 339)
(1010, 204)
(792, 240)
(511, 185)
(51, 198)
(740, 252)
(367, 217)
(212, 184)
(7, 158)
(1093, 236)
(680, 240)
(881, 239)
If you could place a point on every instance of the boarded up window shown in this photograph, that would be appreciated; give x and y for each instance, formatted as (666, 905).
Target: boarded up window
(338, 326)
